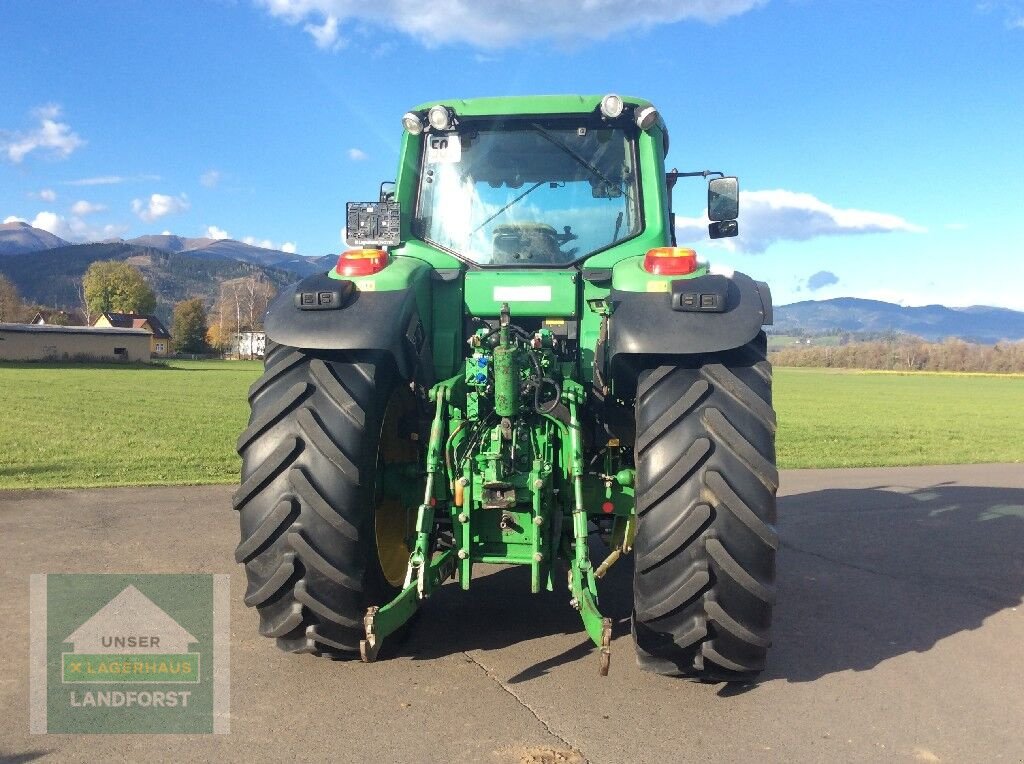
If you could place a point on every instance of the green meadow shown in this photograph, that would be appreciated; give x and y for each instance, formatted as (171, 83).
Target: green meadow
(67, 426)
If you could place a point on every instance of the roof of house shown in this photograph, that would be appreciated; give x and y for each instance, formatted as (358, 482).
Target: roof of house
(138, 321)
(56, 329)
(46, 316)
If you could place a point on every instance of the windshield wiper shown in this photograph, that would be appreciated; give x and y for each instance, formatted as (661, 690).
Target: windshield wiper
(582, 161)
(523, 195)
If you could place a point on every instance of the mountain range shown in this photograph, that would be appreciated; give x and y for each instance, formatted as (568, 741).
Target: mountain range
(47, 270)
(977, 323)
(18, 238)
(21, 238)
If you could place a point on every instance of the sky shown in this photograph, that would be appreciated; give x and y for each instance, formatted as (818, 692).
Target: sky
(879, 143)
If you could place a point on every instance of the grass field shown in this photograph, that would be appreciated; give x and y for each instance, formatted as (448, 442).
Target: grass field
(839, 418)
(77, 426)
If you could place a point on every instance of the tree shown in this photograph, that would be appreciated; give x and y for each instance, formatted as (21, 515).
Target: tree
(112, 285)
(84, 303)
(188, 327)
(241, 305)
(217, 340)
(11, 307)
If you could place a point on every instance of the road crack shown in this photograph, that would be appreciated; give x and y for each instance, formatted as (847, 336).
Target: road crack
(547, 727)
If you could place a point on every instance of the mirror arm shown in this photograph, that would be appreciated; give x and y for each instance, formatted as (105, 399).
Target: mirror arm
(673, 175)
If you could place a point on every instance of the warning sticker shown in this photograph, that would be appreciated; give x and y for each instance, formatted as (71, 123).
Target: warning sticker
(444, 149)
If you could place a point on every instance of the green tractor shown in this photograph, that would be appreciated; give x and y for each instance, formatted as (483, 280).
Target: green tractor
(517, 359)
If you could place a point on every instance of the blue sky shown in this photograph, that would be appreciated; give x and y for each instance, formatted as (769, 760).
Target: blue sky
(880, 145)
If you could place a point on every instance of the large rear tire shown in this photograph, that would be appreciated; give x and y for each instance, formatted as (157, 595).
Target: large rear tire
(312, 513)
(704, 581)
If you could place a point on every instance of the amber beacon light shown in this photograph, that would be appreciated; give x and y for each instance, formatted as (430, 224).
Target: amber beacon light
(361, 262)
(670, 261)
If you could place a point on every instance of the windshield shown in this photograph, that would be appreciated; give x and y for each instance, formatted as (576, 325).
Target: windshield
(529, 194)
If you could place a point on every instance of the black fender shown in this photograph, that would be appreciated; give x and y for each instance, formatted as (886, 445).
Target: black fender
(707, 314)
(321, 313)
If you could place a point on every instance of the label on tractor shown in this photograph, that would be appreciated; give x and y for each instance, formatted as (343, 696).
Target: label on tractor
(444, 149)
(522, 294)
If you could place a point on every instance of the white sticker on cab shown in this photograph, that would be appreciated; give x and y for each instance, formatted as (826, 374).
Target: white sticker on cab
(444, 148)
(522, 294)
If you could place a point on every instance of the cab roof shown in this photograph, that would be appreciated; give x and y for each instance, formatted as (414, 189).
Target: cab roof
(514, 105)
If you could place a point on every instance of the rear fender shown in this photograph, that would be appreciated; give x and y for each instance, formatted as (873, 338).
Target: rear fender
(323, 313)
(707, 314)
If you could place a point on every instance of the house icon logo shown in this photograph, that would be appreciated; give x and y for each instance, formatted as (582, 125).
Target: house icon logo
(130, 640)
(127, 653)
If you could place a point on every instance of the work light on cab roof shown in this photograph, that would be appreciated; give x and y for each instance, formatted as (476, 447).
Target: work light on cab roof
(514, 361)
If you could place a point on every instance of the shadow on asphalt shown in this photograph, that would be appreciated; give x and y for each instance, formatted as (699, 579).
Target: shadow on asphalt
(870, 574)
(23, 758)
(864, 575)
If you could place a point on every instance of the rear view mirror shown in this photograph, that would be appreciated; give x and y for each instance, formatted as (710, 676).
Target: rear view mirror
(723, 229)
(723, 199)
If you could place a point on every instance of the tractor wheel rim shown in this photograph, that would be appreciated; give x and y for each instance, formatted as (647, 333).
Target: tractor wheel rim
(390, 521)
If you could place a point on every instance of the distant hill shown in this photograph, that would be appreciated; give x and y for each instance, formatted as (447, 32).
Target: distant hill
(169, 242)
(229, 249)
(52, 277)
(19, 238)
(977, 323)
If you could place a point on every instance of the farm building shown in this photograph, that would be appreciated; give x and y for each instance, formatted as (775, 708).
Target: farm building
(251, 344)
(45, 342)
(160, 343)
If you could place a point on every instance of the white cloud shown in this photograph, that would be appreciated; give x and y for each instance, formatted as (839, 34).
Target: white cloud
(357, 155)
(324, 34)
(213, 232)
(82, 208)
(497, 23)
(210, 178)
(74, 228)
(14, 219)
(1012, 11)
(50, 137)
(110, 180)
(48, 195)
(159, 205)
(50, 221)
(252, 241)
(767, 217)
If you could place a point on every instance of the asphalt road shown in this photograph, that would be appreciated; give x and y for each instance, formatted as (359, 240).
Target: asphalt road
(898, 635)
